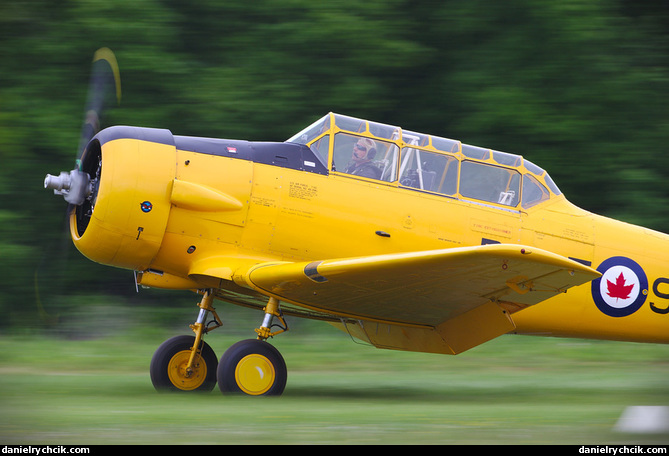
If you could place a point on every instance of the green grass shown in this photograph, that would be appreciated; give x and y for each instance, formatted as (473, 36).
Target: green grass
(513, 390)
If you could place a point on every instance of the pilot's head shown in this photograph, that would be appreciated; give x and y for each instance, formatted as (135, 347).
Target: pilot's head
(364, 149)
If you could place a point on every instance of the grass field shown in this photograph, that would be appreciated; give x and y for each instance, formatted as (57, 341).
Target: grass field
(513, 390)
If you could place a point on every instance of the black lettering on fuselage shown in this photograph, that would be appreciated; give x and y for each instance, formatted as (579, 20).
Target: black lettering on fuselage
(661, 295)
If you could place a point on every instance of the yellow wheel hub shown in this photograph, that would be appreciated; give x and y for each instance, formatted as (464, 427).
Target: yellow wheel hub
(180, 377)
(255, 374)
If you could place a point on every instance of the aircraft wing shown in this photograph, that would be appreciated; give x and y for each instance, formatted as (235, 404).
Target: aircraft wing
(427, 288)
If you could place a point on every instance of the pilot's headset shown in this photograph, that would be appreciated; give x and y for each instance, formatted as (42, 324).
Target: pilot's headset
(370, 145)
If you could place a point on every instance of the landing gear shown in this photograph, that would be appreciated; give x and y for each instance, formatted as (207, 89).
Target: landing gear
(171, 371)
(253, 366)
(187, 363)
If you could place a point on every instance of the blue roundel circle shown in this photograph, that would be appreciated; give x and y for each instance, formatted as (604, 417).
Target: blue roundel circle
(146, 206)
(622, 288)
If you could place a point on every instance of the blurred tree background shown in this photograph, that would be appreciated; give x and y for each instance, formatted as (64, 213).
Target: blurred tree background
(579, 87)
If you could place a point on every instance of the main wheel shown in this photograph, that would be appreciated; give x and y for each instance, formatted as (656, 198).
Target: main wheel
(253, 367)
(168, 366)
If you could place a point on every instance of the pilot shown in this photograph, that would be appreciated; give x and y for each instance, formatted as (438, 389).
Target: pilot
(361, 164)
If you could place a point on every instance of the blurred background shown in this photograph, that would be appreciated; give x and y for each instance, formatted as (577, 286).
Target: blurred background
(580, 88)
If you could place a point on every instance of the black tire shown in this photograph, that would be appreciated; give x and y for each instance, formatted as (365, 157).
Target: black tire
(168, 362)
(252, 367)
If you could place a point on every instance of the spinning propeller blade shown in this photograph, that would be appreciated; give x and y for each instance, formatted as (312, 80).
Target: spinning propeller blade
(76, 186)
(105, 83)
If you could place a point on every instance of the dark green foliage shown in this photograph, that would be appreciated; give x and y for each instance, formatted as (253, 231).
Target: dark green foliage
(579, 88)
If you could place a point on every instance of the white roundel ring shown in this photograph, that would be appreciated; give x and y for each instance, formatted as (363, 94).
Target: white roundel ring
(622, 288)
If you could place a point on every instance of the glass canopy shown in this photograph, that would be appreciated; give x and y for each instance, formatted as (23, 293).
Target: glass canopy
(426, 162)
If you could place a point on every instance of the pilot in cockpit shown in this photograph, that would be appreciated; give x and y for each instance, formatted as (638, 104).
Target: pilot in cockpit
(361, 163)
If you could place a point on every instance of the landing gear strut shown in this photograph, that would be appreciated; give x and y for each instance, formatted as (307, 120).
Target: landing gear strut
(171, 369)
(187, 363)
(252, 366)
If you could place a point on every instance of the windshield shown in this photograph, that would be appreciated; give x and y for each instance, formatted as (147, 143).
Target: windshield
(310, 133)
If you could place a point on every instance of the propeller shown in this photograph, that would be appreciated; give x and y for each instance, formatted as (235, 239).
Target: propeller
(77, 186)
(105, 82)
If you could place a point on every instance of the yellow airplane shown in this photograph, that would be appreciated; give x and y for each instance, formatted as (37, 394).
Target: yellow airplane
(401, 239)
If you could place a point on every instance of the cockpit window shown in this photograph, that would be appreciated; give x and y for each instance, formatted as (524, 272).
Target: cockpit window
(533, 192)
(312, 131)
(554, 188)
(534, 169)
(490, 183)
(321, 148)
(365, 157)
(476, 152)
(362, 126)
(506, 159)
(428, 171)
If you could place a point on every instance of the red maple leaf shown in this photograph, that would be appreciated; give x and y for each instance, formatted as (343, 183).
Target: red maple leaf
(619, 290)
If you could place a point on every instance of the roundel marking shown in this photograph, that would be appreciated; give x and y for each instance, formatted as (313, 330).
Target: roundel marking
(146, 206)
(622, 288)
